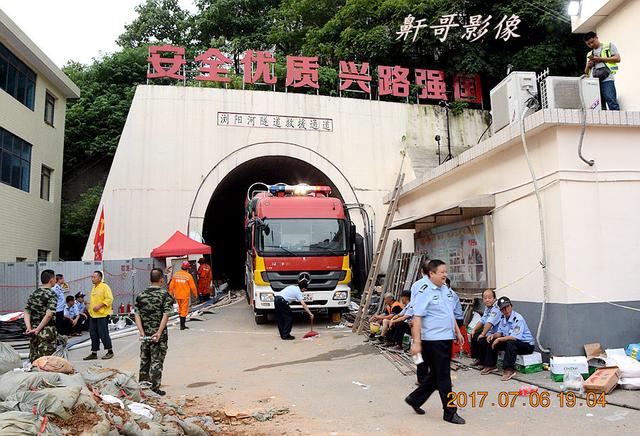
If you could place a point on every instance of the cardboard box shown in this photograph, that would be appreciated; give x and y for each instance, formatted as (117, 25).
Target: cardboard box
(595, 355)
(527, 364)
(560, 365)
(603, 380)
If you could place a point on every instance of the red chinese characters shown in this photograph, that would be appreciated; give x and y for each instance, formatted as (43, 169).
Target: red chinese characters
(349, 73)
(166, 66)
(393, 80)
(466, 87)
(432, 84)
(262, 60)
(302, 71)
(211, 69)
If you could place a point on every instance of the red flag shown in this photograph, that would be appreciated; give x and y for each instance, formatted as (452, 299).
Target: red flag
(98, 239)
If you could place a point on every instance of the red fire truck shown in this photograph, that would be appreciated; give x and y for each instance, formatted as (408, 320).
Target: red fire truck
(291, 229)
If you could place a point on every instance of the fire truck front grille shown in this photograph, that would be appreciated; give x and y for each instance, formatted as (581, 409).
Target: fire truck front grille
(320, 280)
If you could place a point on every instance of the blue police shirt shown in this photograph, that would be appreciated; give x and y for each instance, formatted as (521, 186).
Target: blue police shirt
(291, 293)
(517, 327)
(61, 299)
(417, 288)
(491, 314)
(70, 312)
(457, 307)
(435, 306)
(80, 307)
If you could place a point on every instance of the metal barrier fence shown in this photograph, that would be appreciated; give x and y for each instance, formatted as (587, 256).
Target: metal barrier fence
(126, 278)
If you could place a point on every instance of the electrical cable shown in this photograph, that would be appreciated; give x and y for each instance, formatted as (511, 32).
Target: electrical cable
(485, 130)
(584, 125)
(532, 103)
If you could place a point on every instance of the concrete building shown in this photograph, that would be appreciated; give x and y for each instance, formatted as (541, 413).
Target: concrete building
(187, 156)
(615, 21)
(33, 96)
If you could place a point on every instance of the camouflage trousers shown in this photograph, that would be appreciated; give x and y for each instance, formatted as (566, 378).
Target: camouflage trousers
(43, 344)
(152, 356)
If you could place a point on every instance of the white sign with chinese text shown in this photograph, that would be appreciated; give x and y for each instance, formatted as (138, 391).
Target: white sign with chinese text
(267, 121)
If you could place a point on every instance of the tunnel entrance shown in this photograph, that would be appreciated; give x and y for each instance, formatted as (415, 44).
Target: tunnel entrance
(223, 226)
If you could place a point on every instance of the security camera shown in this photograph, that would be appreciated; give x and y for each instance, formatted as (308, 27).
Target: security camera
(437, 138)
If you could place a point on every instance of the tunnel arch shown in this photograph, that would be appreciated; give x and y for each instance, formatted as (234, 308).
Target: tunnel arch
(223, 222)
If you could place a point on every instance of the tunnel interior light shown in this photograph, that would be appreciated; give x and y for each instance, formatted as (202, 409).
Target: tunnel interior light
(574, 8)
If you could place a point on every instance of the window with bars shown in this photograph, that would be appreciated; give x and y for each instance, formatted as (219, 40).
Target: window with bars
(43, 255)
(15, 160)
(45, 183)
(49, 108)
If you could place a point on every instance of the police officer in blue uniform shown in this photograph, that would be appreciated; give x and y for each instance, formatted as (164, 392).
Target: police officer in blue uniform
(434, 330)
(487, 325)
(513, 337)
(458, 314)
(291, 293)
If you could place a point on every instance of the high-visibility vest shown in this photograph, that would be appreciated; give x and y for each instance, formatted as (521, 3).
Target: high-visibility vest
(389, 309)
(606, 53)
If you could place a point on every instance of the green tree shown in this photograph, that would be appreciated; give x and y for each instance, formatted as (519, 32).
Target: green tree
(158, 21)
(76, 221)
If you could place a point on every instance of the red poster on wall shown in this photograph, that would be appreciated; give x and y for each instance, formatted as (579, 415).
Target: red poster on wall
(98, 239)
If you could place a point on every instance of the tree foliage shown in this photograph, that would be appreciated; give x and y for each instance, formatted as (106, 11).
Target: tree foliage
(75, 222)
(158, 21)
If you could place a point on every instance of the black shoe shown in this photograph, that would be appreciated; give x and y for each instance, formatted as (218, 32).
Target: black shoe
(159, 392)
(288, 338)
(109, 355)
(415, 408)
(92, 356)
(455, 419)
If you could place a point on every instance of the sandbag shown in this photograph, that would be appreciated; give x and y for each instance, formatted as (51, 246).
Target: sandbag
(53, 364)
(121, 382)
(15, 381)
(9, 358)
(629, 367)
(27, 424)
(68, 396)
(42, 402)
(96, 374)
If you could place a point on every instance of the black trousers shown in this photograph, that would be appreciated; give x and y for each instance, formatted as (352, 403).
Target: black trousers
(398, 331)
(511, 350)
(437, 357)
(68, 327)
(475, 345)
(284, 316)
(99, 331)
(83, 323)
(60, 322)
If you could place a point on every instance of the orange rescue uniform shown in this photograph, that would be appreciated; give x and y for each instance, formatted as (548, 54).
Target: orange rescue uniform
(204, 279)
(181, 283)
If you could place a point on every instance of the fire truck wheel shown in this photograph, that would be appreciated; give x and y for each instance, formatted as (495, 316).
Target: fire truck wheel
(260, 317)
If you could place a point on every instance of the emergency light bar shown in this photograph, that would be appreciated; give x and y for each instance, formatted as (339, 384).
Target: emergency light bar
(298, 190)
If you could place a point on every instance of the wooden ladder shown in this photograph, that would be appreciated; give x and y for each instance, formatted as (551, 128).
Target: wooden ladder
(377, 257)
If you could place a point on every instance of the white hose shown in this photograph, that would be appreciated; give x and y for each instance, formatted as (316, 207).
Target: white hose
(543, 241)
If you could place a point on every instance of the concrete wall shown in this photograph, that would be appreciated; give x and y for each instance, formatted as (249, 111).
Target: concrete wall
(172, 144)
(615, 21)
(590, 215)
(28, 222)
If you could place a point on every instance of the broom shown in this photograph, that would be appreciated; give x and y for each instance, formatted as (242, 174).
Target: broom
(311, 333)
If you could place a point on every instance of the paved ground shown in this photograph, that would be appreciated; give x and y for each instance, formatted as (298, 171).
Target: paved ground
(228, 361)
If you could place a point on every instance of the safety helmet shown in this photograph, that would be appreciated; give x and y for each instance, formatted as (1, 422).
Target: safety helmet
(304, 279)
(186, 265)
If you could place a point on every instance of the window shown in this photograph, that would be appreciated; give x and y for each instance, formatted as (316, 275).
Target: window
(16, 78)
(49, 108)
(45, 183)
(15, 160)
(21, 259)
(43, 255)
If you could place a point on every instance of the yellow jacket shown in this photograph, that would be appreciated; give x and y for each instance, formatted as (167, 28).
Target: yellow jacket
(101, 294)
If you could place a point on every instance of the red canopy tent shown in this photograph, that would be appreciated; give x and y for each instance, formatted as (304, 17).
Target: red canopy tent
(180, 245)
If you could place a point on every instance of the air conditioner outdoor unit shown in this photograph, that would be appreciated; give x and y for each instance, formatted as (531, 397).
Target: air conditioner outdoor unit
(564, 93)
(509, 97)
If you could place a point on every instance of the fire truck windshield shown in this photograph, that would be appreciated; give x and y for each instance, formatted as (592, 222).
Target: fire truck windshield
(302, 236)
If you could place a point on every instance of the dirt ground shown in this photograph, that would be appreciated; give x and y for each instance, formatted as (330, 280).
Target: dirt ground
(334, 384)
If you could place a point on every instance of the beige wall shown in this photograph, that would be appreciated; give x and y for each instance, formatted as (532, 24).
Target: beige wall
(590, 213)
(29, 223)
(616, 21)
(171, 142)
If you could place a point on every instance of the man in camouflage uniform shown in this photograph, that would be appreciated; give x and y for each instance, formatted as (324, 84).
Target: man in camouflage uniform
(40, 311)
(153, 306)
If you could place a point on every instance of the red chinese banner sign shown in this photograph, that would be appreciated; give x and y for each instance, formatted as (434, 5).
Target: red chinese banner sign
(98, 239)
(302, 72)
